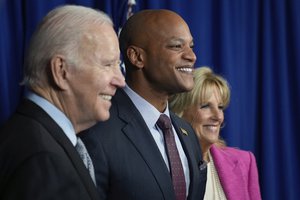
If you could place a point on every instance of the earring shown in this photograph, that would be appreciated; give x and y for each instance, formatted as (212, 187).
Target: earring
(222, 125)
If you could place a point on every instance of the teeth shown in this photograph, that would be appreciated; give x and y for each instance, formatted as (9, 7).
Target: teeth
(185, 69)
(212, 128)
(106, 97)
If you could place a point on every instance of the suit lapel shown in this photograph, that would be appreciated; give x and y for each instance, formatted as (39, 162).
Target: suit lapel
(31, 109)
(138, 133)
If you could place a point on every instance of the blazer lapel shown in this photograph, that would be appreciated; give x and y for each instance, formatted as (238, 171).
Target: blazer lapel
(229, 172)
(31, 109)
(138, 133)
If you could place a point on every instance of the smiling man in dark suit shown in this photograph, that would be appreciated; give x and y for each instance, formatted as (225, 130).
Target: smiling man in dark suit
(71, 72)
(130, 152)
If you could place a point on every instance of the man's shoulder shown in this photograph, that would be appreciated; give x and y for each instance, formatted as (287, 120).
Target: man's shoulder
(179, 121)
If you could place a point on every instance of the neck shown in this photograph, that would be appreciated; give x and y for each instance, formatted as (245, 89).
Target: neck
(205, 150)
(158, 99)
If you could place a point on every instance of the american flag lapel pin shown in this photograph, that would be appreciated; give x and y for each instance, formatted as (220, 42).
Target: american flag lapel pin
(184, 131)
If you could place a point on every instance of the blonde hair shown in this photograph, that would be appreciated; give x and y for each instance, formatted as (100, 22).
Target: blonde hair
(205, 82)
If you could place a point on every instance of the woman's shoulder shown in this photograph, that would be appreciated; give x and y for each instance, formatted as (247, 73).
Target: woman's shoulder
(231, 151)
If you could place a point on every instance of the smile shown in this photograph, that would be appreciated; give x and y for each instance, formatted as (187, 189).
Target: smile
(106, 97)
(185, 69)
(212, 127)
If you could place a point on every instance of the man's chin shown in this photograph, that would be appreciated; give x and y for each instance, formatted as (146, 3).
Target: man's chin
(104, 116)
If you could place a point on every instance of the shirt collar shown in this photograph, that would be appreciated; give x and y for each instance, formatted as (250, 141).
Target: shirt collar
(147, 110)
(58, 116)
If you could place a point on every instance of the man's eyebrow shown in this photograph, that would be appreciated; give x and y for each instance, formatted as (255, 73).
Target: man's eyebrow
(181, 40)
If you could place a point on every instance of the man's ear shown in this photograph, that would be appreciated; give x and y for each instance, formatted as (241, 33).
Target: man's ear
(136, 56)
(59, 71)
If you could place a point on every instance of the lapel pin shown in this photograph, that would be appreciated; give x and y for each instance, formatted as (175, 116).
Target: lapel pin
(184, 131)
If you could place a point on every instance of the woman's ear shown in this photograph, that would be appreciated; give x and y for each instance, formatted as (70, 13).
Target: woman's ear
(59, 72)
(136, 56)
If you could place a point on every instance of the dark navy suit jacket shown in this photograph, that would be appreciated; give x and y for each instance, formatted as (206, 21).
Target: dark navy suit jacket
(38, 161)
(127, 161)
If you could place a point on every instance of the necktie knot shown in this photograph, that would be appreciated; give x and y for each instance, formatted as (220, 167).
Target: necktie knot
(164, 122)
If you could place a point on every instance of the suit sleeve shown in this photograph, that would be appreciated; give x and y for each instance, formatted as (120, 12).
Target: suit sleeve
(254, 190)
(42, 176)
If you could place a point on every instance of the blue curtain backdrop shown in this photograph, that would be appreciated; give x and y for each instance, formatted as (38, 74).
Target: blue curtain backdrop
(255, 44)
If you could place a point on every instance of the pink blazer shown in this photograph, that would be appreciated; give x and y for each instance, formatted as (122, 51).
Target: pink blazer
(237, 171)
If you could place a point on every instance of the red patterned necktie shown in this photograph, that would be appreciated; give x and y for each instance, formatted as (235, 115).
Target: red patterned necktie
(176, 169)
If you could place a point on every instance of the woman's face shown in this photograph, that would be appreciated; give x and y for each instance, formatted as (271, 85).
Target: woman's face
(207, 118)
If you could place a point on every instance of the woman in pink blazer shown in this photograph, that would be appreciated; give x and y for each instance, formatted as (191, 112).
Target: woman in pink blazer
(231, 173)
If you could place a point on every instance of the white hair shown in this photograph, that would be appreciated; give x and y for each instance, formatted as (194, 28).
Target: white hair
(59, 32)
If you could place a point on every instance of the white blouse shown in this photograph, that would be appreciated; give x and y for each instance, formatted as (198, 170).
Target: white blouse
(214, 190)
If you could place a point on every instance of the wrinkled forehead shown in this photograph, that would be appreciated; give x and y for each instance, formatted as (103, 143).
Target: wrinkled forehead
(99, 42)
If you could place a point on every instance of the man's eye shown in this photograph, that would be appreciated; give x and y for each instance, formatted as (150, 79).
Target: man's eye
(113, 64)
(175, 46)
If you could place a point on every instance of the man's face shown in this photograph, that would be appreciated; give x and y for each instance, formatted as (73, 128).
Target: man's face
(94, 82)
(170, 58)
